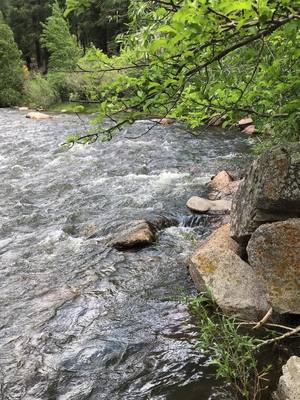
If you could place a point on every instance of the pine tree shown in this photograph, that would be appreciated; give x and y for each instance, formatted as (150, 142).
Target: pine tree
(11, 73)
(57, 39)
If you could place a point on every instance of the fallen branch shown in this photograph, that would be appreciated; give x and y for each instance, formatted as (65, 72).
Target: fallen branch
(264, 319)
(282, 337)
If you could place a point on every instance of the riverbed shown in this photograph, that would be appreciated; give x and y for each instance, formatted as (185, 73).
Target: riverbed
(78, 320)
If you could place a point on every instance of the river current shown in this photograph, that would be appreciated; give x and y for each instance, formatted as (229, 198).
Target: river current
(78, 320)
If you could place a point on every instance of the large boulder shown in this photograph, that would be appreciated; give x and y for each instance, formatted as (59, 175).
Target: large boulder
(274, 253)
(270, 191)
(201, 205)
(232, 282)
(289, 382)
(138, 233)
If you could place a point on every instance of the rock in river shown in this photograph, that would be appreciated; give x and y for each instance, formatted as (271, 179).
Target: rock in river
(220, 181)
(289, 382)
(38, 115)
(233, 283)
(137, 234)
(202, 205)
(270, 191)
(274, 253)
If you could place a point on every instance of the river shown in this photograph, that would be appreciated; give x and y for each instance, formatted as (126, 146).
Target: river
(80, 321)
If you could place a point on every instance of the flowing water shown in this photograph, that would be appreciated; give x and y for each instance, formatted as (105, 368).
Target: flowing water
(79, 320)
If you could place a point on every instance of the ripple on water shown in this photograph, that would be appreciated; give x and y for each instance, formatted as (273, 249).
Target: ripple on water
(81, 321)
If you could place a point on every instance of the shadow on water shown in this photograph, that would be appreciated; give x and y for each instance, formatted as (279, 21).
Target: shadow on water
(80, 321)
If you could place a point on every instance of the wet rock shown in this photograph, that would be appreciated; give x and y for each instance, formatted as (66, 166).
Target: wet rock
(250, 130)
(231, 188)
(289, 382)
(23, 109)
(38, 115)
(202, 205)
(245, 121)
(231, 281)
(269, 192)
(137, 234)
(220, 181)
(274, 253)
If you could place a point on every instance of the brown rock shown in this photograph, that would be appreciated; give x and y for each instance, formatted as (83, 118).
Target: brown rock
(38, 115)
(245, 121)
(217, 120)
(270, 191)
(138, 234)
(202, 205)
(231, 188)
(220, 181)
(289, 382)
(231, 281)
(163, 121)
(274, 253)
(220, 239)
(250, 130)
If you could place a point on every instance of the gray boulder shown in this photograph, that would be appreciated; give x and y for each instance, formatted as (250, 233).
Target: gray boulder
(274, 253)
(270, 191)
(289, 382)
(202, 205)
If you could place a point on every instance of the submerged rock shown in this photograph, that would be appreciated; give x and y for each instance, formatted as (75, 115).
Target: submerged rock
(289, 382)
(274, 253)
(270, 191)
(38, 115)
(232, 282)
(202, 205)
(137, 234)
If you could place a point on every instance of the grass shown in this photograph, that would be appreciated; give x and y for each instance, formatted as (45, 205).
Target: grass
(231, 351)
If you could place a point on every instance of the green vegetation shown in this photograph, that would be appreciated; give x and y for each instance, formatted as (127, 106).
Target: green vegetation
(188, 59)
(61, 45)
(11, 73)
(231, 352)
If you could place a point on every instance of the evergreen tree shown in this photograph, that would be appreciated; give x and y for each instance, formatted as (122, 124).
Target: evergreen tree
(11, 74)
(57, 39)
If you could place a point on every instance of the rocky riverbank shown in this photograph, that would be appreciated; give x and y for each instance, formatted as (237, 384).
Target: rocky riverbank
(252, 267)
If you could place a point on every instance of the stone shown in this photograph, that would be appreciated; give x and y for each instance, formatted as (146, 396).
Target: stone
(270, 191)
(250, 130)
(231, 188)
(289, 382)
(202, 205)
(231, 281)
(163, 121)
(274, 253)
(245, 121)
(220, 239)
(220, 181)
(38, 115)
(137, 234)
(23, 108)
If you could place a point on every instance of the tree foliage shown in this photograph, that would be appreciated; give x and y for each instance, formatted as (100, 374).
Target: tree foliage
(57, 39)
(11, 74)
(193, 59)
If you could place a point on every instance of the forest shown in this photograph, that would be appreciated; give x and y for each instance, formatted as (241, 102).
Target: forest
(192, 60)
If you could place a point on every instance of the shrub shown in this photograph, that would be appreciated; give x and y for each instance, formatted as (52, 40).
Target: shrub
(38, 92)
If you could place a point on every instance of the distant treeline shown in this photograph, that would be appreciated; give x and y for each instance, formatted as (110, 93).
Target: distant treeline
(99, 24)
